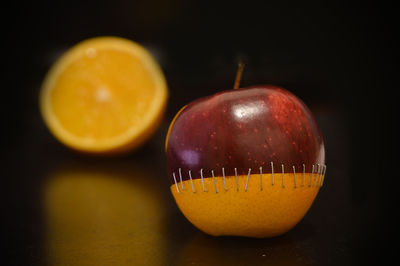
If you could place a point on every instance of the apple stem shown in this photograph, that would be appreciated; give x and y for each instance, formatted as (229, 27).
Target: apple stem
(238, 75)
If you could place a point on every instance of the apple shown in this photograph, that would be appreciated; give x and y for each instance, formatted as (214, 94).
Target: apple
(261, 131)
(242, 129)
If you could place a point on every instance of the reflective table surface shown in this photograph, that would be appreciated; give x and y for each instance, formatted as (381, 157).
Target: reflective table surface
(69, 209)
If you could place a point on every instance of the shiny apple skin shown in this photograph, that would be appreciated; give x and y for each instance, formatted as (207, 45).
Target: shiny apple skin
(245, 128)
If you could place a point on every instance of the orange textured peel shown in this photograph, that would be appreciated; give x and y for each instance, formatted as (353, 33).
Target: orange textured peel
(255, 210)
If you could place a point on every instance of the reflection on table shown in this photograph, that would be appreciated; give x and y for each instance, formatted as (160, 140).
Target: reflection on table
(202, 249)
(103, 214)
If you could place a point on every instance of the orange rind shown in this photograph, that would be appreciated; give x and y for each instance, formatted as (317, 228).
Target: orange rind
(249, 206)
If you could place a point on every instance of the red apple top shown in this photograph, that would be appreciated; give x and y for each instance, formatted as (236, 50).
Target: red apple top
(242, 129)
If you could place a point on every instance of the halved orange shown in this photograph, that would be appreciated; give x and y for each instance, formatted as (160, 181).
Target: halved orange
(104, 95)
(247, 206)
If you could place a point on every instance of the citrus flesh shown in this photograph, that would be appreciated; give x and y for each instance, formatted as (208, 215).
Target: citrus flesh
(251, 206)
(105, 94)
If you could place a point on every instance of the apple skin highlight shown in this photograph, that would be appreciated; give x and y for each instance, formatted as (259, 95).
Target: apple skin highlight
(246, 128)
(264, 134)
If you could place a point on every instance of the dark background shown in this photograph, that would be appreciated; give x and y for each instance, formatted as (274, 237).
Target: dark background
(340, 58)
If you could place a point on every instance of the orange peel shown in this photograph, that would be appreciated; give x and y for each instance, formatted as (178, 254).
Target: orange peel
(248, 207)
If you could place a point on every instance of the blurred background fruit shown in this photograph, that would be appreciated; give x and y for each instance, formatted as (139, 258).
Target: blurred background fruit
(104, 95)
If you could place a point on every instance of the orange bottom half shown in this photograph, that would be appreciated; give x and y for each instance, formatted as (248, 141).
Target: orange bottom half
(252, 206)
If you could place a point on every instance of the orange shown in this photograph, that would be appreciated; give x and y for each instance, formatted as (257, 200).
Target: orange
(104, 95)
(251, 206)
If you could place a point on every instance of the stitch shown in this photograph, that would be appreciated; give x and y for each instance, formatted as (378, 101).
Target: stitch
(248, 177)
(180, 177)
(176, 184)
(215, 185)
(202, 181)
(223, 175)
(323, 176)
(311, 178)
(294, 174)
(318, 173)
(191, 181)
(237, 182)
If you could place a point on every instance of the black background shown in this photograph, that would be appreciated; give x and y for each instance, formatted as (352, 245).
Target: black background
(340, 58)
